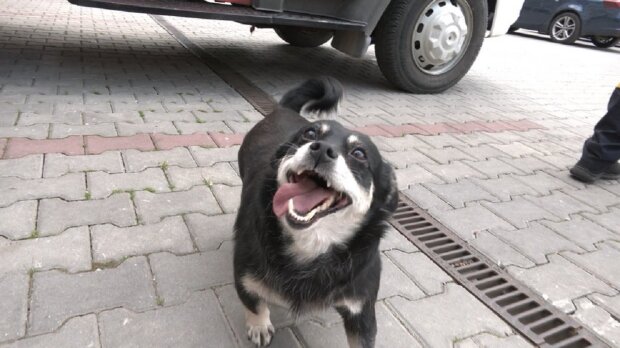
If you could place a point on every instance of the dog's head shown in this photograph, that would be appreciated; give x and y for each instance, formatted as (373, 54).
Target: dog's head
(333, 179)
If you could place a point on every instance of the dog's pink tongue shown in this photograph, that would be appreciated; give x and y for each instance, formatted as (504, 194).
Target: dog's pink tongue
(306, 194)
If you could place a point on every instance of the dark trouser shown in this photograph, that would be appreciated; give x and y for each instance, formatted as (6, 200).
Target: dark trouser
(603, 148)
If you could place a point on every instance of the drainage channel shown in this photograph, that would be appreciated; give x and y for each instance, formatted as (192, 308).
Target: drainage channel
(531, 315)
(536, 319)
(258, 98)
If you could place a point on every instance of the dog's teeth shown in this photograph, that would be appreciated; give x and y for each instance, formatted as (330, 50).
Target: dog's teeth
(299, 172)
(329, 184)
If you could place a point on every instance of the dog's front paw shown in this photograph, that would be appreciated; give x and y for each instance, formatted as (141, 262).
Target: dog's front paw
(261, 334)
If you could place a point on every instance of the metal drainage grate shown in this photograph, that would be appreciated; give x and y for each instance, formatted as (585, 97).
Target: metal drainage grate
(527, 312)
(260, 100)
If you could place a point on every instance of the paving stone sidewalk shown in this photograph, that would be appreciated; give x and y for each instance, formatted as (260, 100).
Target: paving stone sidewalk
(119, 184)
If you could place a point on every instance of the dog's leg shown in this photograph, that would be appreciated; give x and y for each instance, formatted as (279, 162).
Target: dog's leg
(257, 319)
(360, 324)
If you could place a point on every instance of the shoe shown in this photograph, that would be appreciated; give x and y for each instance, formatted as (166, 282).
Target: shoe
(584, 174)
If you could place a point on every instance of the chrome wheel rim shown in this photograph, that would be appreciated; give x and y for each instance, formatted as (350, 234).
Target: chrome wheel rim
(440, 35)
(563, 28)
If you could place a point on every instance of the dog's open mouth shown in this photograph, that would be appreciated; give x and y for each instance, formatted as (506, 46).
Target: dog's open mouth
(307, 197)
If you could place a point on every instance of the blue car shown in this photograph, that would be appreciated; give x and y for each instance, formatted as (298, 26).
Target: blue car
(567, 20)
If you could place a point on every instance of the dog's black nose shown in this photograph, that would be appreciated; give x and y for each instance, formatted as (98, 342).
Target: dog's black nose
(322, 152)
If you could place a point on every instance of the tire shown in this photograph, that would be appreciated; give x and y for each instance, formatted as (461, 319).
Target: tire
(565, 28)
(403, 47)
(303, 37)
(604, 41)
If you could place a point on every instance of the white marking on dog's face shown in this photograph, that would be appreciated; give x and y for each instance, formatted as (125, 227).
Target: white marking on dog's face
(352, 139)
(336, 228)
(324, 128)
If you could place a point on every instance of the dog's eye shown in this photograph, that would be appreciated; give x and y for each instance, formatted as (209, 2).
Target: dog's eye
(359, 153)
(310, 134)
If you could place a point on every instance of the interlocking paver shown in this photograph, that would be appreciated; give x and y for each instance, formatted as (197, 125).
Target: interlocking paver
(220, 173)
(228, 197)
(598, 320)
(438, 320)
(459, 193)
(487, 340)
(453, 171)
(76, 332)
(519, 211)
(64, 130)
(560, 281)
(582, 232)
(101, 184)
(227, 140)
(20, 147)
(29, 167)
(13, 305)
(447, 154)
(527, 164)
(394, 240)
(609, 220)
(414, 174)
(59, 164)
(493, 167)
(166, 142)
(208, 157)
(401, 159)
(406, 142)
(18, 220)
(70, 187)
(424, 272)
(441, 141)
(210, 232)
(153, 207)
(395, 282)
(543, 182)
(206, 127)
(28, 118)
(137, 161)
(100, 118)
(111, 243)
(505, 187)
(467, 221)
(537, 241)
(178, 276)
(425, 198)
(561, 204)
(96, 144)
(600, 262)
(195, 323)
(596, 197)
(69, 250)
(57, 296)
(498, 251)
(55, 215)
(610, 303)
(2, 147)
(37, 131)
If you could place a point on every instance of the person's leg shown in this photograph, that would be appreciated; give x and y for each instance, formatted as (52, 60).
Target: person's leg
(602, 151)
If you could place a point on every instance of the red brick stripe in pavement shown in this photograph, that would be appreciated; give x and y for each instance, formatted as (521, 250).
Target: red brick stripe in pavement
(94, 144)
(167, 142)
(2, 146)
(20, 147)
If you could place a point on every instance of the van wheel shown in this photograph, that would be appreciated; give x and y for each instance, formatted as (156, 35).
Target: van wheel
(427, 46)
(303, 37)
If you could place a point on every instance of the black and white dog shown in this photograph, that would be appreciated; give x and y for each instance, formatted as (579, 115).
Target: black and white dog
(314, 205)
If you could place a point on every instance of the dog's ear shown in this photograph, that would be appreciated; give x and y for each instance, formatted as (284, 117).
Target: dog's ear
(390, 186)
